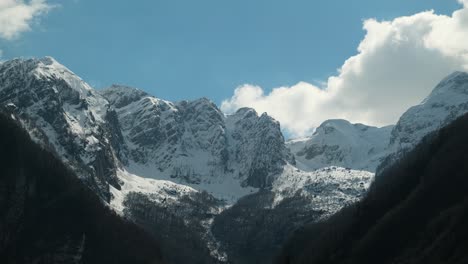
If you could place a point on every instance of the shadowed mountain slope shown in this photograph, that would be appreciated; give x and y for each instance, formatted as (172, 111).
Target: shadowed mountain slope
(47, 215)
(415, 212)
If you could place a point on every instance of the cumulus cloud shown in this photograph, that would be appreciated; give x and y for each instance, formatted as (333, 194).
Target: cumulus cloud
(16, 16)
(398, 63)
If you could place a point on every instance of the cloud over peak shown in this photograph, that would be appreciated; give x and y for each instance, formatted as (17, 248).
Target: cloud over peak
(16, 16)
(397, 64)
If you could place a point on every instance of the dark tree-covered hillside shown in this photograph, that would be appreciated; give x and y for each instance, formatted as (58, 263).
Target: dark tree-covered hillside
(48, 216)
(415, 212)
(252, 231)
(185, 238)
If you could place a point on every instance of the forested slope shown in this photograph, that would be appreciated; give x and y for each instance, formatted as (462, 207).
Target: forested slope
(47, 215)
(415, 212)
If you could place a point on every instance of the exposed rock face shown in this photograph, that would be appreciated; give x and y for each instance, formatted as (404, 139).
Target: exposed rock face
(256, 147)
(63, 113)
(190, 142)
(194, 142)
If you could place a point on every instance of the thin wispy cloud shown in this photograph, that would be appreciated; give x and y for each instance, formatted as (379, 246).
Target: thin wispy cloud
(398, 63)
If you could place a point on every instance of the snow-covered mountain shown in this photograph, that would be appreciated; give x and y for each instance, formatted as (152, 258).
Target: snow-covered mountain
(140, 153)
(447, 101)
(194, 143)
(63, 113)
(361, 147)
(122, 128)
(193, 167)
(340, 143)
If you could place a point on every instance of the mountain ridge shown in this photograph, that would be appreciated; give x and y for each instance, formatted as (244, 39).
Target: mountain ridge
(341, 143)
(143, 154)
(414, 212)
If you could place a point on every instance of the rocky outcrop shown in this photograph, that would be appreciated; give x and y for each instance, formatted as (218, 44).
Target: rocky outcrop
(63, 113)
(193, 142)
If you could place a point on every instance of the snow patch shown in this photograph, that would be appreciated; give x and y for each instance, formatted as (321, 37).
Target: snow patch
(329, 189)
(158, 191)
(222, 187)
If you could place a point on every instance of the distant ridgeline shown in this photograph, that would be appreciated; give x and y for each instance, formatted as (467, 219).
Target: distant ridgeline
(208, 187)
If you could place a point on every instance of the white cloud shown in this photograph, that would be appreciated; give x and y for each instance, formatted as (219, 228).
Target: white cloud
(16, 16)
(398, 63)
(290, 105)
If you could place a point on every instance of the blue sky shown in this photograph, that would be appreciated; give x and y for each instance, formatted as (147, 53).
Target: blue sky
(300, 61)
(188, 49)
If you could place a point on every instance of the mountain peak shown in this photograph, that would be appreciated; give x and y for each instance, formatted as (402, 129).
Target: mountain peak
(123, 89)
(341, 143)
(447, 101)
(28, 65)
(48, 60)
(335, 123)
(245, 112)
(61, 111)
(455, 75)
(456, 82)
(46, 69)
(122, 95)
(42, 65)
(203, 102)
